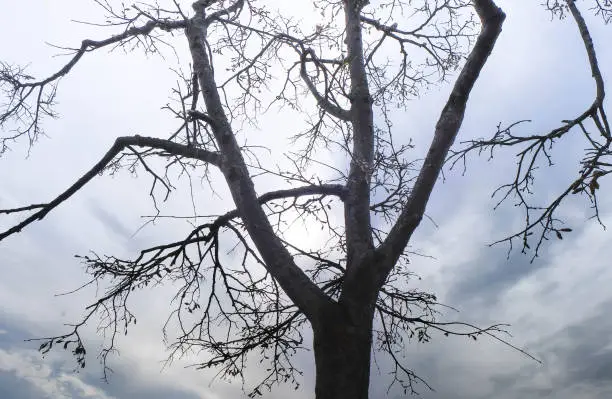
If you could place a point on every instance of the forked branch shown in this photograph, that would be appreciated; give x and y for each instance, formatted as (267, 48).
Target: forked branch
(120, 144)
(21, 88)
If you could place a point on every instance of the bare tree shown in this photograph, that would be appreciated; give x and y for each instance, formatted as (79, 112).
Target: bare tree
(360, 61)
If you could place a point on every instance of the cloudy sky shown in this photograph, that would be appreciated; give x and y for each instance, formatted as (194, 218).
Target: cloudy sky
(558, 306)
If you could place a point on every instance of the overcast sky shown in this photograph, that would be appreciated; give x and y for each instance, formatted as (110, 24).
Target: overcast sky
(558, 306)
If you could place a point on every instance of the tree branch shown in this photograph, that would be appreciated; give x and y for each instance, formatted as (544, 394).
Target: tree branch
(594, 64)
(357, 205)
(21, 87)
(588, 44)
(279, 262)
(120, 144)
(323, 101)
(539, 147)
(88, 45)
(323, 189)
(447, 127)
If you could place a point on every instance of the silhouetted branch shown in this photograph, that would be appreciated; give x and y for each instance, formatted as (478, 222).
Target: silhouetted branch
(445, 132)
(120, 144)
(19, 87)
(592, 124)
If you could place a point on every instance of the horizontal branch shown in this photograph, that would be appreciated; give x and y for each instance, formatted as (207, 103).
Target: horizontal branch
(447, 329)
(323, 189)
(393, 32)
(120, 144)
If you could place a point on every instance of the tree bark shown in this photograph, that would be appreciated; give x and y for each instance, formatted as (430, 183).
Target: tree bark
(278, 261)
(342, 349)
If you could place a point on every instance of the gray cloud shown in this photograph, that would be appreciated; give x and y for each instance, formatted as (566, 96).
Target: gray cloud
(25, 374)
(577, 361)
(484, 282)
(109, 220)
(124, 385)
(584, 350)
(13, 387)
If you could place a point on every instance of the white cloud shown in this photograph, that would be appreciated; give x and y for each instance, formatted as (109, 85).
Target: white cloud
(27, 365)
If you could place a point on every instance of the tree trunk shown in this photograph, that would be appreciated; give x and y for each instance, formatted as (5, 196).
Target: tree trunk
(342, 355)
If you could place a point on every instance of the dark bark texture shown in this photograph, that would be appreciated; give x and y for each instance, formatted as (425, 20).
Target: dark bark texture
(342, 348)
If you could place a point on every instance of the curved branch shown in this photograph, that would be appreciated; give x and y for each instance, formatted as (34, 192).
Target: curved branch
(323, 101)
(21, 87)
(538, 147)
(588, 44)
(120, 144)
(88, 45)
(594, 64)
(235, 8)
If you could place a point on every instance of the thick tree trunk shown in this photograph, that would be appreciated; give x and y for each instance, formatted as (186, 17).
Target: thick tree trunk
(342, 355)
